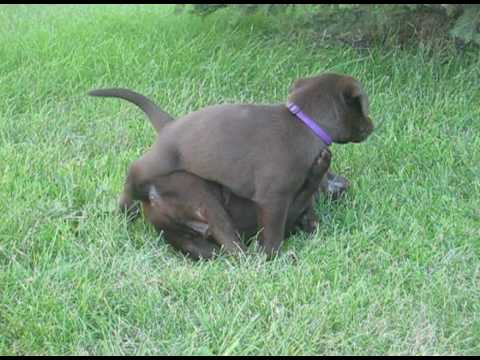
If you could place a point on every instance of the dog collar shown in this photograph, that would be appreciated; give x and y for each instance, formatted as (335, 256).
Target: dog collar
(322, 134)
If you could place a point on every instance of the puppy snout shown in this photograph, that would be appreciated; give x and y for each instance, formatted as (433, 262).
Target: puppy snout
(368, 129)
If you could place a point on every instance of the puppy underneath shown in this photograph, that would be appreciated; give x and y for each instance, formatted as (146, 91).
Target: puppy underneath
(190, 210)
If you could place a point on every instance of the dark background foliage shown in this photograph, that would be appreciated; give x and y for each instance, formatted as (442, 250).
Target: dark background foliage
(366, 25)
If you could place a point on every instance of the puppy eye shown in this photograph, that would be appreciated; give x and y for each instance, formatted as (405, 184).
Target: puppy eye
(353, 101)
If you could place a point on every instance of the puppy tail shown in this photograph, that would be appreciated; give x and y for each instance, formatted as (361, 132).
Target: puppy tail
(158, 118)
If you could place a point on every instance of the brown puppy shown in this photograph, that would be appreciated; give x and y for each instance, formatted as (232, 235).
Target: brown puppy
(265, 142)
(189, 209)
(187, 202)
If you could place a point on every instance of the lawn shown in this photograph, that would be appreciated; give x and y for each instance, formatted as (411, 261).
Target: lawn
(393, 268)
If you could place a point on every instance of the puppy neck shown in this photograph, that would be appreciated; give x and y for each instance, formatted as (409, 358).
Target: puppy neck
(310, 123)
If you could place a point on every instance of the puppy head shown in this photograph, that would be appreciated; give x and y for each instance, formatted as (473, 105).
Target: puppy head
(338, 103)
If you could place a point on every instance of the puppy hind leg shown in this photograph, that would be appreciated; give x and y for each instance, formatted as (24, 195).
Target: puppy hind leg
(156, 163)
(133, 192)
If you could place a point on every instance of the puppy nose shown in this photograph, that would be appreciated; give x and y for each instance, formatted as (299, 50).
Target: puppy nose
(369, 128)
(370, 123)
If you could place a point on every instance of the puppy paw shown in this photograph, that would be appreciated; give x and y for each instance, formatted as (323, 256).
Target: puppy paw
(325, 156)
(128, 207)
(308, 223)
(131, 213)
(335, 186)
(292, 257)
(322, 163)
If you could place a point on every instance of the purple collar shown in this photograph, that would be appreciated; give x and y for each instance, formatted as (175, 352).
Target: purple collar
(322, 134)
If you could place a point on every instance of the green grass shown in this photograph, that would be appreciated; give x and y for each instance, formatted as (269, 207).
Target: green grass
(393, 269)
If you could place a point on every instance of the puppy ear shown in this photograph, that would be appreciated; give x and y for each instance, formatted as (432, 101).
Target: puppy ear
(297, 84)
(354, 95)
(198, 227)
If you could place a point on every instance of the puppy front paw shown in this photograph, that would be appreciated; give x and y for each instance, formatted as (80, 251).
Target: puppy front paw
(130, 209)
(325, 157)
(321, 164)
(308, 222)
